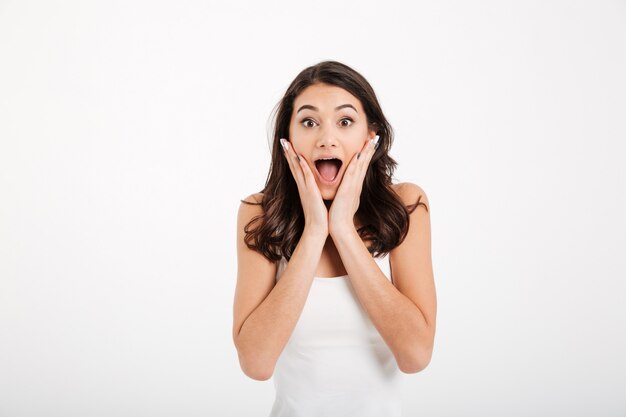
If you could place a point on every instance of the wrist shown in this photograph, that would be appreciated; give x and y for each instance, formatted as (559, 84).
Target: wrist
(316, 234)
(342, 229)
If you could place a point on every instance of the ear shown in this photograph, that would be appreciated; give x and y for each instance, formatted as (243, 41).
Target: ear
(372, 131)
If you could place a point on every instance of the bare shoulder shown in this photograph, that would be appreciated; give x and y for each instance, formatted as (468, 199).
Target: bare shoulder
(411, 193)
(411, 264)
(256, 198)
(249, 208)
(255, 273)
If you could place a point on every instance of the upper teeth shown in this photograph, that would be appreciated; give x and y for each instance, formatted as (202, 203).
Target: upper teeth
(325, 159)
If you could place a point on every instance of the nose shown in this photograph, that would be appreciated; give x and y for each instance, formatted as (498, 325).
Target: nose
(326, 138)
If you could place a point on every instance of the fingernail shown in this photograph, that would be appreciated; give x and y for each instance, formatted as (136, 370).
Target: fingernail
(284, 144)
(374, 141)
(358, 155)
(298, 157)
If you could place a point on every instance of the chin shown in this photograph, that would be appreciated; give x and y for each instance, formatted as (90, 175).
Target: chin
(328, 193)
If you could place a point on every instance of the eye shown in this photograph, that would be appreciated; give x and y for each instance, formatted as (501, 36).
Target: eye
(345, 122)
(308, 122)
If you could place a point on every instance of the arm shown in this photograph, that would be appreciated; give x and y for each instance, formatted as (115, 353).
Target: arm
(265, 312)
(403, 312)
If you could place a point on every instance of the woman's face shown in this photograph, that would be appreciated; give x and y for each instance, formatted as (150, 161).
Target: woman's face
(328, 122)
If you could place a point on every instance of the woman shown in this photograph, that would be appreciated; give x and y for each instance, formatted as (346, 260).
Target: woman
(316, 304)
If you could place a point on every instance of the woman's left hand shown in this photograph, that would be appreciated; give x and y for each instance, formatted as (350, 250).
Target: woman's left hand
(348, 197)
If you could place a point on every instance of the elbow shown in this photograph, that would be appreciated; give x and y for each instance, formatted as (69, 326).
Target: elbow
(253, 367)
(256, 373)
(418, 356)
(415, 363)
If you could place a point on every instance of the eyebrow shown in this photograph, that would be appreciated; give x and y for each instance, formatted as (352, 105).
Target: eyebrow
(308, 106)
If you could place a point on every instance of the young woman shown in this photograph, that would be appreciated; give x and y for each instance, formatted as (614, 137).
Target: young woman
(335, 292)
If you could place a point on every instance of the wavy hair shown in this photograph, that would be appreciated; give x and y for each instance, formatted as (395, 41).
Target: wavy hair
(383, 215)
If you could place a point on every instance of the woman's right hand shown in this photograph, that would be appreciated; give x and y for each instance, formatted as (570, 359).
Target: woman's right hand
(315, 212)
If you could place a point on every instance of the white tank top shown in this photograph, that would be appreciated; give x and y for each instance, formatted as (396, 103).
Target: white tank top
(335, 362)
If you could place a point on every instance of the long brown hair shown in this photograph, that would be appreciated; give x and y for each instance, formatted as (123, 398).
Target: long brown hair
(384, 217)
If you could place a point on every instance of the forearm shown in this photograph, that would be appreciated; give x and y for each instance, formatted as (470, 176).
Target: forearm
(266, 331)
(399, 321)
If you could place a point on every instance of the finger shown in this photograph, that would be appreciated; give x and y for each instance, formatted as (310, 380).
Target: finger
(351, 171)
(292, 160)
(361, 157)
(360, 163)
(307, 173)
(298, 165)
(366, 154)
(369, 147)
(375, 142)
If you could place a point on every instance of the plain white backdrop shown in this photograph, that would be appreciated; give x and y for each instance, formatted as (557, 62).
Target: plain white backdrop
(130, 130)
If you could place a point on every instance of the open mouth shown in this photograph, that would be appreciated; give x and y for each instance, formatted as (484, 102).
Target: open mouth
(328, 168)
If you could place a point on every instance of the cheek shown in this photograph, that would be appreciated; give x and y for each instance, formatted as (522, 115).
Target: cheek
(359, 140)
(299, 137)
(295, 132)
(358, 136)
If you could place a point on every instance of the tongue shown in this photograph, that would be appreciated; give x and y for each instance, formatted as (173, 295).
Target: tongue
(328, 170)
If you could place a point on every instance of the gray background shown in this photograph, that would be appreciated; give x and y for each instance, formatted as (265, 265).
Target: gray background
(130, 130)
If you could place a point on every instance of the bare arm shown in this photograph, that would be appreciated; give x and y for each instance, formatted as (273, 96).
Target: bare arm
(265, 312)
(403, 312)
